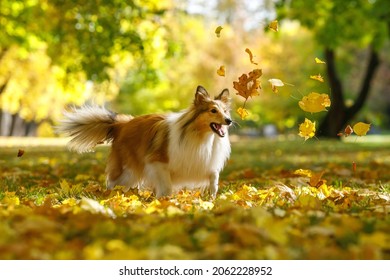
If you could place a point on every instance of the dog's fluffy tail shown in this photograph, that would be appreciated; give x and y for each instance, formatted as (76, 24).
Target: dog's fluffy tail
(88, 126)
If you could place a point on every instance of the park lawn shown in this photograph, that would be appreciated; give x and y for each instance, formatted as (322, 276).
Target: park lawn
(278, 199)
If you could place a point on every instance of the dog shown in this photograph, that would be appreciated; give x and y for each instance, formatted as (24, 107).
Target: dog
(161, 152)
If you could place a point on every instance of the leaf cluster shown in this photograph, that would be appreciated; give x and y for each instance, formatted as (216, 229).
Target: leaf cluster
(56, 207)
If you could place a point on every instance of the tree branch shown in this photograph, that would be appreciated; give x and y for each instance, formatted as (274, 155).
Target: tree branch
(372, 66)
(334, 81)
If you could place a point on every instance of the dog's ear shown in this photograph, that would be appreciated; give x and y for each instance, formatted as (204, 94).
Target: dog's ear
(224, 96)
(201, 95)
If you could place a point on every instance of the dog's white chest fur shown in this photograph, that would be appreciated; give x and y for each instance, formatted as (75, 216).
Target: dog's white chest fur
(192, 161)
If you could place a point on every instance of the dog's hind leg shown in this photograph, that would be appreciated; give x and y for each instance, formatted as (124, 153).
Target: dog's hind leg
(158, 176)
(118, 175)
(127, 179)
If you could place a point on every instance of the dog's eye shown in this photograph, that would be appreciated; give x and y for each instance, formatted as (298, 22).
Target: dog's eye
(213, 111)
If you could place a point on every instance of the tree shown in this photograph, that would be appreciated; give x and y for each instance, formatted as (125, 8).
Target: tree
(51, 50)
(336, 25)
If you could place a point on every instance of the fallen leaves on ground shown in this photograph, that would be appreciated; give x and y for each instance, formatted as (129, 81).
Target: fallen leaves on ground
(305, 203)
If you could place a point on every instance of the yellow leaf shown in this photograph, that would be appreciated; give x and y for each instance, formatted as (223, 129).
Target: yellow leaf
(307, 129)
(314, 102)
(324, 191)
(303, 172)
(361, 128)
(174, 211)
(218, 31)
(317, 77)
(274, 26)
(95, 207)
(10, 199)
(275, 83)
(242, 112)
(250, 56)
(206, 205)
(221, 71)
(70, 201)
(248, 85)
(319, 61)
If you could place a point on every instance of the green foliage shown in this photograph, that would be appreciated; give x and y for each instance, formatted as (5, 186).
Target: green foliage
(51, 50)
(339, 22)
(56, 206)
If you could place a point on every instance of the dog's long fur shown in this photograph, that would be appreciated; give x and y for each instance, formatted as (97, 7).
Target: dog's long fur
(163, 152)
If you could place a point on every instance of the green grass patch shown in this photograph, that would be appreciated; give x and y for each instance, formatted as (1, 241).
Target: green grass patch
(54, 205)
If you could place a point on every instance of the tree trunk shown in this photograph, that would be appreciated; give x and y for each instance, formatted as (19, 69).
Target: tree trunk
(339, 115)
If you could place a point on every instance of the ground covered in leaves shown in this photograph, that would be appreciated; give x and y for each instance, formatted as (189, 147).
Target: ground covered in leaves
(279, 199)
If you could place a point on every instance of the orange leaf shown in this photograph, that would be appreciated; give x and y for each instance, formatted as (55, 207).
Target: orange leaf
(248, 85)
(315, 179)
(348, 130)
(250, 56)
(20, 153)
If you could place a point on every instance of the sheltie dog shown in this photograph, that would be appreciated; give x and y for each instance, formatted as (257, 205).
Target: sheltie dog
(161, 152)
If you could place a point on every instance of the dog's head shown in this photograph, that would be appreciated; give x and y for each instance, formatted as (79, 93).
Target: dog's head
(214, 113)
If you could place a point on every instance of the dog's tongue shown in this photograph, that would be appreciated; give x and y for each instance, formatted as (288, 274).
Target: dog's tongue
(220, 129)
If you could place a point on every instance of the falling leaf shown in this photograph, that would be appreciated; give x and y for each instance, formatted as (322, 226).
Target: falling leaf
(221, 71)
(242, 112)
(314, 102)
(20, 153)
(248, 85)
(275, 83)
(317, 77)
(319, 61)
(307, 129)
(250, 56)
(218, 31)
(354, 166)
(274, 26)
(348, 130)
(361, 128)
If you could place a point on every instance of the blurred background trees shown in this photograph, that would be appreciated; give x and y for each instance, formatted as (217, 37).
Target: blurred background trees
(148, 56)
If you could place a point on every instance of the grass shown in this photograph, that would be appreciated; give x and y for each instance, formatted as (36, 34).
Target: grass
(53, 205)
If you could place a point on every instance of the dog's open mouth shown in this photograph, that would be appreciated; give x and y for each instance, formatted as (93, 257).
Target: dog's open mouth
(218, 129)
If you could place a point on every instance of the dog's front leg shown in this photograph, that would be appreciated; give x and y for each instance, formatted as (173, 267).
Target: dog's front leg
(158, 176)
(214, 177)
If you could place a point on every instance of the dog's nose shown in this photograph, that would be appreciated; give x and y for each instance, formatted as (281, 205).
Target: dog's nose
(228, 121)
